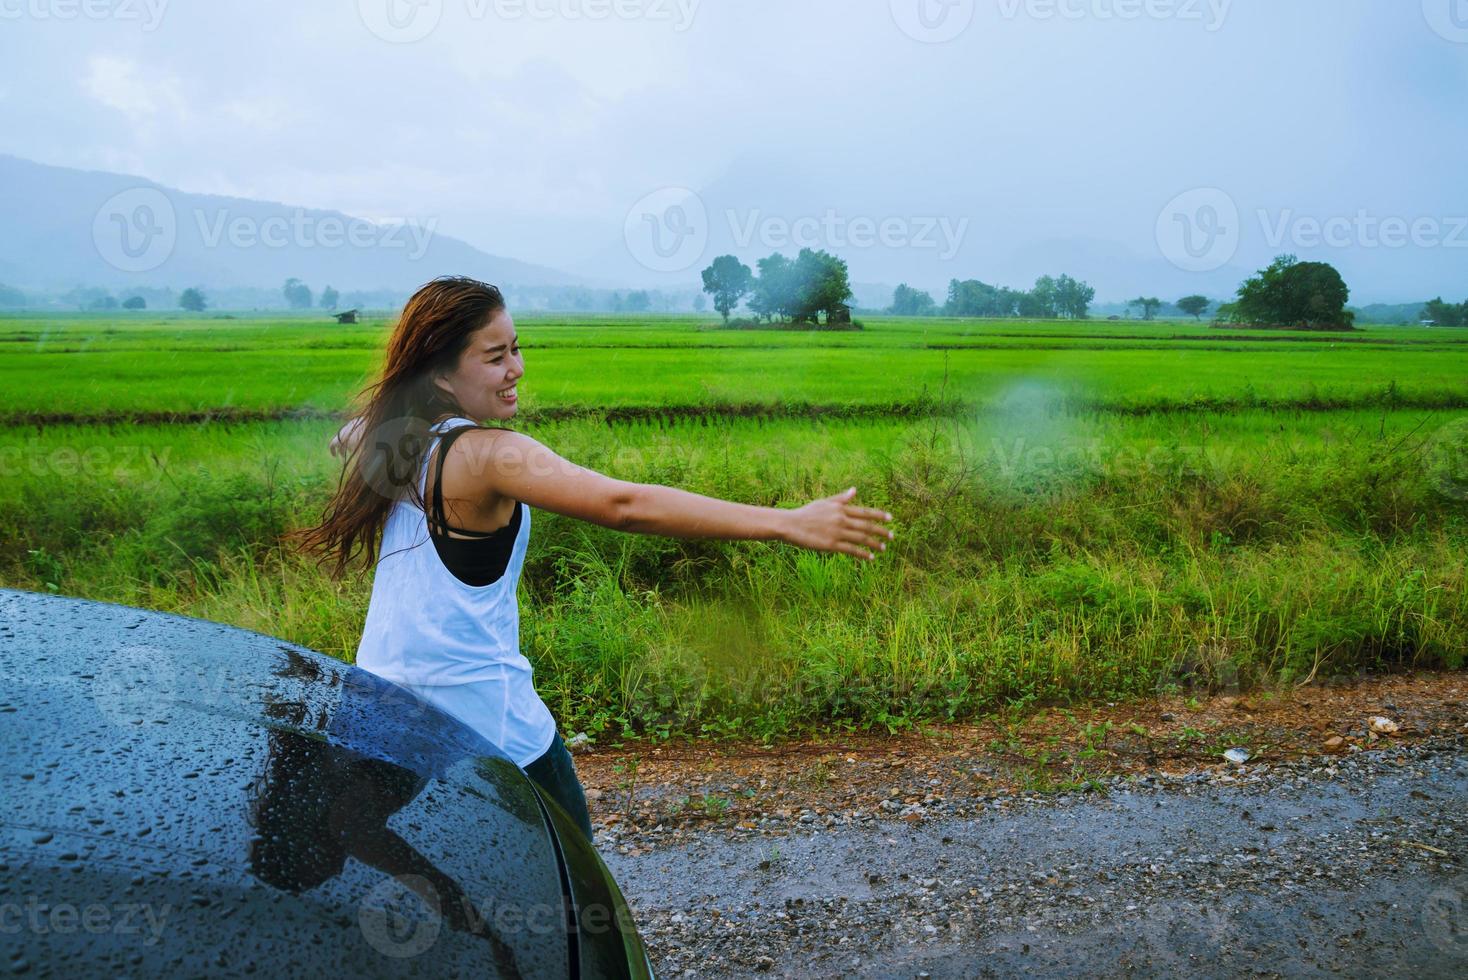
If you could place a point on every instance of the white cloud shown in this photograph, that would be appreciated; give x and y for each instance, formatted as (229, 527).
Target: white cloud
(121, 84)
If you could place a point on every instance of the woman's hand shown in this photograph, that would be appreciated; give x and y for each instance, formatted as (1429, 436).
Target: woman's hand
(347, 438)
(835, 524)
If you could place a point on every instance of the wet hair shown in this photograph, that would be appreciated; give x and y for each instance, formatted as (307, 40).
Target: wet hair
(397, 413)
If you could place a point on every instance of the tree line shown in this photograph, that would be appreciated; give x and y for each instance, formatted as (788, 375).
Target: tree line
(1446, 314)
(800, 290)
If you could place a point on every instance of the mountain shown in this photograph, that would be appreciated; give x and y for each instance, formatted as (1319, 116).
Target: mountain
(65, 227)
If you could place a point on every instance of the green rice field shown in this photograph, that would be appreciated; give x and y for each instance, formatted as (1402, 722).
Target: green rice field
(1084, 510)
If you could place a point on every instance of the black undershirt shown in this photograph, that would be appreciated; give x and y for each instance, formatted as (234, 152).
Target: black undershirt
(482, 560)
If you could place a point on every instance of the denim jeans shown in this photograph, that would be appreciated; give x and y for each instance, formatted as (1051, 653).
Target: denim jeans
(555, 773)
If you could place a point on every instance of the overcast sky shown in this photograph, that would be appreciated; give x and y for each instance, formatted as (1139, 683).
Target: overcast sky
(1148, 145)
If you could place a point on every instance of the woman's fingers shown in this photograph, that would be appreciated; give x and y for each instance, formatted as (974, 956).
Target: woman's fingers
(872, 528)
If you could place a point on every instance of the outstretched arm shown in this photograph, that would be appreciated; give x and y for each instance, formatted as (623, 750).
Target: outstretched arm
(347, 437)
(511, 464)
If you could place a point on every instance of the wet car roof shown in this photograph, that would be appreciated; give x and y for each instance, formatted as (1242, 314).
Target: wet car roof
(181, 795)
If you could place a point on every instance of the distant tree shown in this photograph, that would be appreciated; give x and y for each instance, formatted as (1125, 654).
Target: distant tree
(773, 292)
(728, 281)
(970, 297)
(1295, 294)
(1040, 302)
(135, 303)
(1445, 314)
(1073, 298)
(107, 302)
(907, 301)
(329, 298)
(1193, 306)
(11, 297)
(700, 302)
(823, 285)
(638, 301)
(192, 299)
(297, 294)
(1149, 304)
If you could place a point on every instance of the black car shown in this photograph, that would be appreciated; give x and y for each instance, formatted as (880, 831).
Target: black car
(182, 797)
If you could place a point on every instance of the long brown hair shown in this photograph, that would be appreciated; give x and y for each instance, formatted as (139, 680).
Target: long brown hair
(398, 412)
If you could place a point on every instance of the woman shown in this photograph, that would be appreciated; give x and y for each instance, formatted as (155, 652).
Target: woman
(443, 618)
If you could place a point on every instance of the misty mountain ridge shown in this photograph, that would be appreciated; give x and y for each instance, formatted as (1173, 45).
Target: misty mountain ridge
(67, 227)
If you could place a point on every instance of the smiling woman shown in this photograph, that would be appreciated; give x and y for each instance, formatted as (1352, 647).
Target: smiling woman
(444, 621)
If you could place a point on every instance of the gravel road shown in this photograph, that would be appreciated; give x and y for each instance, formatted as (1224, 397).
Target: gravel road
(1354, 866)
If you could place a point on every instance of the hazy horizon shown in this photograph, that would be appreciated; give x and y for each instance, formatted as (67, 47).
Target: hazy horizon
(1155, 146)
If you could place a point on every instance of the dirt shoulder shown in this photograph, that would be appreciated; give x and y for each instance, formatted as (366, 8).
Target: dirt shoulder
(1115, 841)
(681, 786)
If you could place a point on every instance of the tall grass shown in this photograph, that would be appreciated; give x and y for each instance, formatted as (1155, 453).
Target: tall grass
(1042, 554)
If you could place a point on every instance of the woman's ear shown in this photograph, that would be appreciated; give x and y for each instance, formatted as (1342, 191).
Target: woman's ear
(442, 384)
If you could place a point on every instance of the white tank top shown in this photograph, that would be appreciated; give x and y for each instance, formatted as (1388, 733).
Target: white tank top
(457, 646)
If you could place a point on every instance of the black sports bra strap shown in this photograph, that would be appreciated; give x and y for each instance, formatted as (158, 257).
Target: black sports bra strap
(439, 517)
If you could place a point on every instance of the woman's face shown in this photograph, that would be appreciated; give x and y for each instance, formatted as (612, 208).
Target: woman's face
(484, 383)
